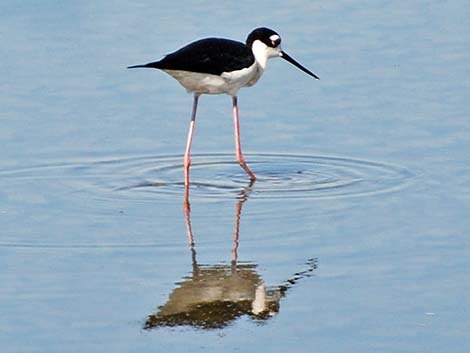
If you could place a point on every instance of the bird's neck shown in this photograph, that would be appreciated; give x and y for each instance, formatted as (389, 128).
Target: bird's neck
(261, 54)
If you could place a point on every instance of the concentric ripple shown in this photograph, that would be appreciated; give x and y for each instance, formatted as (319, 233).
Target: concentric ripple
(280, 176)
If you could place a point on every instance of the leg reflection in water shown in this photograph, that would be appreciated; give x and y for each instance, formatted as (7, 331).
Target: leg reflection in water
(241, 199)
(214, 296)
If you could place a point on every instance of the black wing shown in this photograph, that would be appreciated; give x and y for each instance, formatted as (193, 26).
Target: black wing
(210, 55)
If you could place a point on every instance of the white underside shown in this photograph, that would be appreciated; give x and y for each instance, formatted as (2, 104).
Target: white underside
(228, 82)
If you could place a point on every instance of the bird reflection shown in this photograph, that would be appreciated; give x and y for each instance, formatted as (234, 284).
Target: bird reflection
(216, 295)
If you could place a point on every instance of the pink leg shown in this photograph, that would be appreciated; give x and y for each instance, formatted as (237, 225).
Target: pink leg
(240, 158)
(187, 154)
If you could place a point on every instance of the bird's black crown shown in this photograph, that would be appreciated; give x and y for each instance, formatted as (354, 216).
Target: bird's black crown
(265, 35)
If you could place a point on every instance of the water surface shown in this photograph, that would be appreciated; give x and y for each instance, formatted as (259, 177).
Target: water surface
(353, 239)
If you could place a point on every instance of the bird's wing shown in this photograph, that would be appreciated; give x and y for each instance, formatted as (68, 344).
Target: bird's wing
(210, 55)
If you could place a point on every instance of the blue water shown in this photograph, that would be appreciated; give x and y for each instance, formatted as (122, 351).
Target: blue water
(355, 236)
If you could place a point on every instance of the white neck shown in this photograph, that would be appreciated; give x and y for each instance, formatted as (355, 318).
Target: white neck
(262, 53)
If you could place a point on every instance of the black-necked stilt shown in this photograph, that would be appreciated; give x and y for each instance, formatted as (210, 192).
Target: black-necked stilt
(216, 66)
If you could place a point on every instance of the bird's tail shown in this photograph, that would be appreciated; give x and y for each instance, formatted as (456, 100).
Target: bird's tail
(154, 65)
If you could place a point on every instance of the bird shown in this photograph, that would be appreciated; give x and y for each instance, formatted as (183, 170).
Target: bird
(222, 66)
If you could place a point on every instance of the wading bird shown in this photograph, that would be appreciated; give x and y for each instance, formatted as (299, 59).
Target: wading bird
(216, 66)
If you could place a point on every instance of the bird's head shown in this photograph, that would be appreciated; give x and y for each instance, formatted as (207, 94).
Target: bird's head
(265, 44)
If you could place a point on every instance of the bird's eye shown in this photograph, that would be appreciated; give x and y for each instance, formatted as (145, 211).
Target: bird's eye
(275, 40)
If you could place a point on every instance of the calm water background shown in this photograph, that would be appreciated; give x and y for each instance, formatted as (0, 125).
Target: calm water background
(85, 256)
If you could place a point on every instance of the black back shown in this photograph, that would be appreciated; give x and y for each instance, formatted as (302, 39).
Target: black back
(210, 55)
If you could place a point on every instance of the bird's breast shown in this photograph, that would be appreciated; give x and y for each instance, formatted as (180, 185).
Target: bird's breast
(245, 77)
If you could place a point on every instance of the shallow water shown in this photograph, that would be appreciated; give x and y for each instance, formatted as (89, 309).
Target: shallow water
(354, 238)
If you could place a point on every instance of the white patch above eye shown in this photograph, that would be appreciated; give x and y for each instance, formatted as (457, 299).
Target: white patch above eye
(275, 40)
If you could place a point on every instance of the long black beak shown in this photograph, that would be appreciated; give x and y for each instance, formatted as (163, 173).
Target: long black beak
(288, 58)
